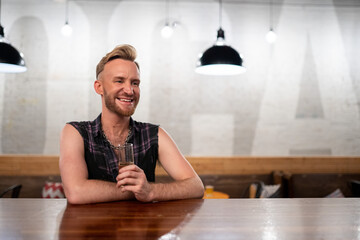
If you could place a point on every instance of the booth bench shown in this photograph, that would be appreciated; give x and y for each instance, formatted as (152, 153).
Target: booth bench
(298, 176)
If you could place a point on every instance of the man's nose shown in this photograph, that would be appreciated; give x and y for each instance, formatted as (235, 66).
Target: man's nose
(128, 88)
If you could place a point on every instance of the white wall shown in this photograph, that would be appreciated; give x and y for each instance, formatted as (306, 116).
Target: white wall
(298, 97)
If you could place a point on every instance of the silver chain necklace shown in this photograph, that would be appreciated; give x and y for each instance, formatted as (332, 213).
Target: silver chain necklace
(117, 147)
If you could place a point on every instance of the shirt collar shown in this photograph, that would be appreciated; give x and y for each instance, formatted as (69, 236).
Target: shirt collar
(97, 128)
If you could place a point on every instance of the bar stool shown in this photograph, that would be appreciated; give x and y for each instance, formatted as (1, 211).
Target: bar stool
(15, 191)
(355, 188)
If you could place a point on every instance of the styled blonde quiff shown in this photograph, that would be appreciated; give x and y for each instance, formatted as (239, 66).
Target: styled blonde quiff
(125, 52)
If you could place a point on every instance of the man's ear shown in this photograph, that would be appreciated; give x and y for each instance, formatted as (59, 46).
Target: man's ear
(98, 87)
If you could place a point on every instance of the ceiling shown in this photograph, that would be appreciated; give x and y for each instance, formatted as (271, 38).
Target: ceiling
(348, 3)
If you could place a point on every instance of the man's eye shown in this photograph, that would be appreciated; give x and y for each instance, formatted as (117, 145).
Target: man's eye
(136, 83)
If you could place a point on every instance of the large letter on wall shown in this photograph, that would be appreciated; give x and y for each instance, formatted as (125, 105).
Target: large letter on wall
(24, 99)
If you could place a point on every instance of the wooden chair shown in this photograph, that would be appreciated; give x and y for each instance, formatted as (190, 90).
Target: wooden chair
(15, 191)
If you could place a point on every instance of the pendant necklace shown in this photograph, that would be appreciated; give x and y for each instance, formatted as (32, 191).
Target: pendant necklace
(117, 147)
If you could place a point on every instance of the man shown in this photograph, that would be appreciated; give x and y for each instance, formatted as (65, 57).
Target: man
(88, 163)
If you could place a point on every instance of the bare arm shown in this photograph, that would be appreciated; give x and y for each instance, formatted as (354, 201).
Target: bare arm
(187, 183)
(74, 173)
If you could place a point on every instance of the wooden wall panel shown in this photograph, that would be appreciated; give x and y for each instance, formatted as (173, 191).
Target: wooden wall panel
(43, 165)
(265, 165)
(29, 165)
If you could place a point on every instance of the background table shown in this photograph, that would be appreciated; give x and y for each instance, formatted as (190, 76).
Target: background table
(185, 219)
(216, 195)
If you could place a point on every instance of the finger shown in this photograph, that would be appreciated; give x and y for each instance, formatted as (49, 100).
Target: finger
(128, 181)
(124, 188)
(129, 174)
(134, 167)
(130, 188)
(127, 168)
(119, 184)
(125, 174)
(140, 193)
(120, 177)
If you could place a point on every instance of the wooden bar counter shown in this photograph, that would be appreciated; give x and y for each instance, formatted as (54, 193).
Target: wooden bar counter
(315, 218)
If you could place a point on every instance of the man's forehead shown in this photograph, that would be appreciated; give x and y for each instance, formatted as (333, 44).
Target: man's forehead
(121, 68)
(121, 61)
(121, 64)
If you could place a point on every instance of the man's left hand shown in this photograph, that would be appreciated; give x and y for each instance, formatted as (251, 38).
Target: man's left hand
(132, 178)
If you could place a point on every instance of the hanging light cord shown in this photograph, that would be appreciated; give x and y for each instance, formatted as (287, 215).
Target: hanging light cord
(167, 11)
(271, 15)
(66, 12)
(220, 13)
(220, 33)
(2, 34)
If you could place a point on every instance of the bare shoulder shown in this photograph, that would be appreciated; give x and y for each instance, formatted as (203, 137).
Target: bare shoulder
(171, 158)
(165, 138)
(69, 133)
(71, 143)
(162, 131)
(72, 156)
(68, 129)
(72, 165)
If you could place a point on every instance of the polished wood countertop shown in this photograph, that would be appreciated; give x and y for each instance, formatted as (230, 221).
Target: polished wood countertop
(184, 219)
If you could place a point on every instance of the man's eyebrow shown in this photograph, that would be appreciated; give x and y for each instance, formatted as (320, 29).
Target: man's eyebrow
(119, 77)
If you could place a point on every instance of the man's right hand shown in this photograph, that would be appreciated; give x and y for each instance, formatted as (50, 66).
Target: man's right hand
(133, 179)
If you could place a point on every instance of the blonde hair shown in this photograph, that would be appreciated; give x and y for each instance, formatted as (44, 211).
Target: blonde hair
(125, 51)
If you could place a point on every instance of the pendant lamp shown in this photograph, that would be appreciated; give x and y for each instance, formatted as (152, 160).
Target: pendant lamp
(220, 59)
(167, 30)
(271, 35)
(11, 60)
(66, 30)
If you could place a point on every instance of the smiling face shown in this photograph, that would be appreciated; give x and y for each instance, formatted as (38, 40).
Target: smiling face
(118, 84)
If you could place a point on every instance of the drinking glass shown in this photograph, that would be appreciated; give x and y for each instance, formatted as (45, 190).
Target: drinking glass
(125, 155)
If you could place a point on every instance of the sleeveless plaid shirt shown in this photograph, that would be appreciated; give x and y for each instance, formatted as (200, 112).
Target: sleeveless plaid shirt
(100, 158)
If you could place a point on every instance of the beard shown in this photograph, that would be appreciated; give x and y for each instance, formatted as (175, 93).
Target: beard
(110, 104)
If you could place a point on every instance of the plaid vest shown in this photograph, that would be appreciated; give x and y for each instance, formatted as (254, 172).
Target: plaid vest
(100, 158)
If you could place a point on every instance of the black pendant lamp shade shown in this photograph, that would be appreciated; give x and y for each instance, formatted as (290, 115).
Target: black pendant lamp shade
(220, 54)
(220, 59)
(11, 60)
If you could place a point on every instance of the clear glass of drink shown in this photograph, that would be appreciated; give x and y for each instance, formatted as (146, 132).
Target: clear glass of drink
(125, 155)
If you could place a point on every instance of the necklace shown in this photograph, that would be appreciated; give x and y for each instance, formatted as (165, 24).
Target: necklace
(117, 147)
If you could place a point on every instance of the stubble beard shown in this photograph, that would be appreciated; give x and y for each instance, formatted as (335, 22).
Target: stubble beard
(113, 107)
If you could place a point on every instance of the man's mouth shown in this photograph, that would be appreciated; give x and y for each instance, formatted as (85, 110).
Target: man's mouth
(125, 100)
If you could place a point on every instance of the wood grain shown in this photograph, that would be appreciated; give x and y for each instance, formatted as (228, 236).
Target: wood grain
(29, 165)
(44, 165)
(316, 218)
